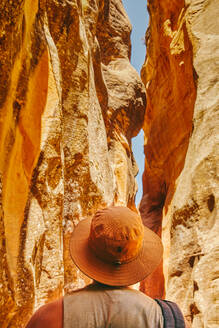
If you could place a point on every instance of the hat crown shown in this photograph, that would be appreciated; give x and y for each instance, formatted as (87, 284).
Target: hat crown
(116, 235)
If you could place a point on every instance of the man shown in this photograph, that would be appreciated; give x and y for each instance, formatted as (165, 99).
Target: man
(116, 251)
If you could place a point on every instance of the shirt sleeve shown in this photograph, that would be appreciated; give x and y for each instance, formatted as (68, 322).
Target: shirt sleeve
(49, 315)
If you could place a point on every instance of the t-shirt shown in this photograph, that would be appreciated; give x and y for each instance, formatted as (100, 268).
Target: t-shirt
(99, 306)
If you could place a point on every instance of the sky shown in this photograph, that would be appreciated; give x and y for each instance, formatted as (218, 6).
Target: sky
(138, 15)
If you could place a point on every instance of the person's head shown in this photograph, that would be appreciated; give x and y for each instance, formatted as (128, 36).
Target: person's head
(114, 248)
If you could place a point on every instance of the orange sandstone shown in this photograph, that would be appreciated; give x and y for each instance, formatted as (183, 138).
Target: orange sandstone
(70, 104)
(181, 149)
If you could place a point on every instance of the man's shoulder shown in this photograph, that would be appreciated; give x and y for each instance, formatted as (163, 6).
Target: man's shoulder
(119, 294)
(48, 315)
(119, 291)
(137, 295)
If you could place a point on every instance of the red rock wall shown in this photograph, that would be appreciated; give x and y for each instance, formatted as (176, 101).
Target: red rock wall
(168, 75)
(181, 148)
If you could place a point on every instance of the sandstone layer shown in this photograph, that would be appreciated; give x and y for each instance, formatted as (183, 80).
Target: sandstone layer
(181, 74)
(70, 104)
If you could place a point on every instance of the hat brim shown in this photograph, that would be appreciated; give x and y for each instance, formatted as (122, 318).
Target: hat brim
(114, 274)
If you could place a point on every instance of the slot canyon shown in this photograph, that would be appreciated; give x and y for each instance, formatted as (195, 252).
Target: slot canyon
(70, 104)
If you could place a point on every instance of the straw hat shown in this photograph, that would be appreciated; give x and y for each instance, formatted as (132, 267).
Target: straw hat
(115, 248)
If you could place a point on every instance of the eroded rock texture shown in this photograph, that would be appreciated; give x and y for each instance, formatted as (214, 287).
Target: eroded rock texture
(170, 87)
(70, 104)
(181, 74)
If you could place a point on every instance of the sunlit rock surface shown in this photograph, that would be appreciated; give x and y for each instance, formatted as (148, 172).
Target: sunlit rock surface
(181, 74)
(70, 103)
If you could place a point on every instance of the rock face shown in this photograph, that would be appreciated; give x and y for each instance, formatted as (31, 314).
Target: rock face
(70, 103)
(170, 87)
(181, 74)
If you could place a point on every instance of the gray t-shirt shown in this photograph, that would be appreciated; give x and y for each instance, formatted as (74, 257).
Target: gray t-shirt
(101, 306)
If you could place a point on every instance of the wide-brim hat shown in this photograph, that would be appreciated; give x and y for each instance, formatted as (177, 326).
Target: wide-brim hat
(114, 248)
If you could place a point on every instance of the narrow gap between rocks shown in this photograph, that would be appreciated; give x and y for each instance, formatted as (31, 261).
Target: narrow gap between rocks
(139, 18)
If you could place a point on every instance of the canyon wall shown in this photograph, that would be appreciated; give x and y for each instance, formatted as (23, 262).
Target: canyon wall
(181, 75)
(70, 103)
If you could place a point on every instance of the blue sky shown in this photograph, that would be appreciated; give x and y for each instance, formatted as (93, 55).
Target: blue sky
(138, 15)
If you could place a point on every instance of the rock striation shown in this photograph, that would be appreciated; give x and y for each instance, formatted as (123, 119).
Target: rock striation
(70, 103)
(181, 74)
